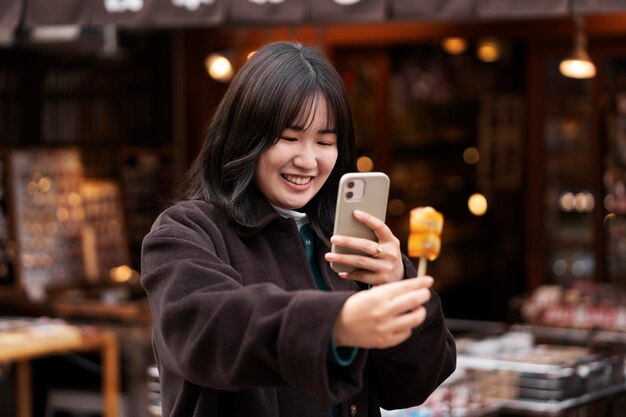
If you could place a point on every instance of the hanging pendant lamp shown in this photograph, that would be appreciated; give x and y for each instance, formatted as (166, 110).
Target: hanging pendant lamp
(578, 64)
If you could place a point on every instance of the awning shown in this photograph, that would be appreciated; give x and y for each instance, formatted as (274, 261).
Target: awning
(159, 13)
(268, 11)
(125, 13)
(347, 10)
(57, 12)
(529, 8)
(10, 13)
(433, 9)
(185, 13)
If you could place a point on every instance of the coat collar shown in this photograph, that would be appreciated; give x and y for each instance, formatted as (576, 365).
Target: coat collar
(264, 216)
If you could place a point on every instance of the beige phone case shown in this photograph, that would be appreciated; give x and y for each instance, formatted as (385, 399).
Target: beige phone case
(373, 200)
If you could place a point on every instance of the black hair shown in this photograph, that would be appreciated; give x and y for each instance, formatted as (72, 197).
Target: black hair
(274, 88)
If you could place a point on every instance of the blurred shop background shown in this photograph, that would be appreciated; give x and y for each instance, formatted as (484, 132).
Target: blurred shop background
(507, 116)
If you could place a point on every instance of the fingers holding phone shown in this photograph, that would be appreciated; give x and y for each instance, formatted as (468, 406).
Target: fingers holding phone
(371, 261)
(364, 191)
(363, 247)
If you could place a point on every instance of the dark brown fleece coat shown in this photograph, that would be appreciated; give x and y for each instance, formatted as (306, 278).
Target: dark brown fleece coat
(240, 329)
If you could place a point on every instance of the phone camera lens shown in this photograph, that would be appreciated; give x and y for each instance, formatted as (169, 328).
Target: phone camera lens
(349, 195)
(350, 184)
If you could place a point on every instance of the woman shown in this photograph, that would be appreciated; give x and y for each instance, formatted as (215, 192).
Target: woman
(249, 319)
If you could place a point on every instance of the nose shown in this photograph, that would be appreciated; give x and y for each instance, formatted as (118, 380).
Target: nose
(305, 158)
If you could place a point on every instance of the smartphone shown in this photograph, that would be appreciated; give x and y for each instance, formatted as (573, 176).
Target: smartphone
(365, 191)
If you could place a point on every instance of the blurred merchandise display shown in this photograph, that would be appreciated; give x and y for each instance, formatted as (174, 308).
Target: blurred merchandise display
(466, 393)
(71, 231)
(518, 372)
(48, 216)
(544, 377)
(583, 305)
(105, 246)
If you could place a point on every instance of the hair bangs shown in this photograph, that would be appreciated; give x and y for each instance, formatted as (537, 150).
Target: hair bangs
(308, 111)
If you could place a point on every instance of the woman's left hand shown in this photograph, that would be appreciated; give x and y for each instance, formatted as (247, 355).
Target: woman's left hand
(383, 265)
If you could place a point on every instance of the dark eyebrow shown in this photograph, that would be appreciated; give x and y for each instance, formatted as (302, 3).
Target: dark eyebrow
(322, 131)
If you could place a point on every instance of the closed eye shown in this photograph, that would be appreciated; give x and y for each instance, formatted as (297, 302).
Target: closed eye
(327, 138)
(288, 138)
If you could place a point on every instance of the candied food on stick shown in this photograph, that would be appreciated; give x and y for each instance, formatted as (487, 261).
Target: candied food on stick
(426, 225)
(424, 244)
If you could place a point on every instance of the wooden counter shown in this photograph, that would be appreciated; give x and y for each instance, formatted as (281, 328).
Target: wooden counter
(21, 347)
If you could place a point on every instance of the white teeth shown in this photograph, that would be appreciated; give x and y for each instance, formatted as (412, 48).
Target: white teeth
(297, 180)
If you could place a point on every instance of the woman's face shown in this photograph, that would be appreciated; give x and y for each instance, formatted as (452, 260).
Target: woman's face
(296, 167)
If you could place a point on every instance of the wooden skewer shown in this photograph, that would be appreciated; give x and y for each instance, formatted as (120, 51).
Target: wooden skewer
(421, 266)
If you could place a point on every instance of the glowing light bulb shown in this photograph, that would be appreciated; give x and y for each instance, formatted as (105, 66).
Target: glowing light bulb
(477, 204)
(219, 67)
(578, 65)
(489, 50)
(577, 68)
(454, 45)
(364, 164)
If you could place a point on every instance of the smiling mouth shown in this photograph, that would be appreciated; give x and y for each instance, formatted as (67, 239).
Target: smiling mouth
(297, 180)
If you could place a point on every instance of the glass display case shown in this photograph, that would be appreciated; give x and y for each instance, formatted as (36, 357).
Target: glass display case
(576, 188)
(570, 195)
(585, 159)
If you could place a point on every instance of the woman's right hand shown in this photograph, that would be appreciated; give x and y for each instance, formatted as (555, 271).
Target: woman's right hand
(383, 316)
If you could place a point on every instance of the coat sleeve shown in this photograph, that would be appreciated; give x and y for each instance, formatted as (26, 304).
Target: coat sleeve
(212, 331)
(405, 375)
